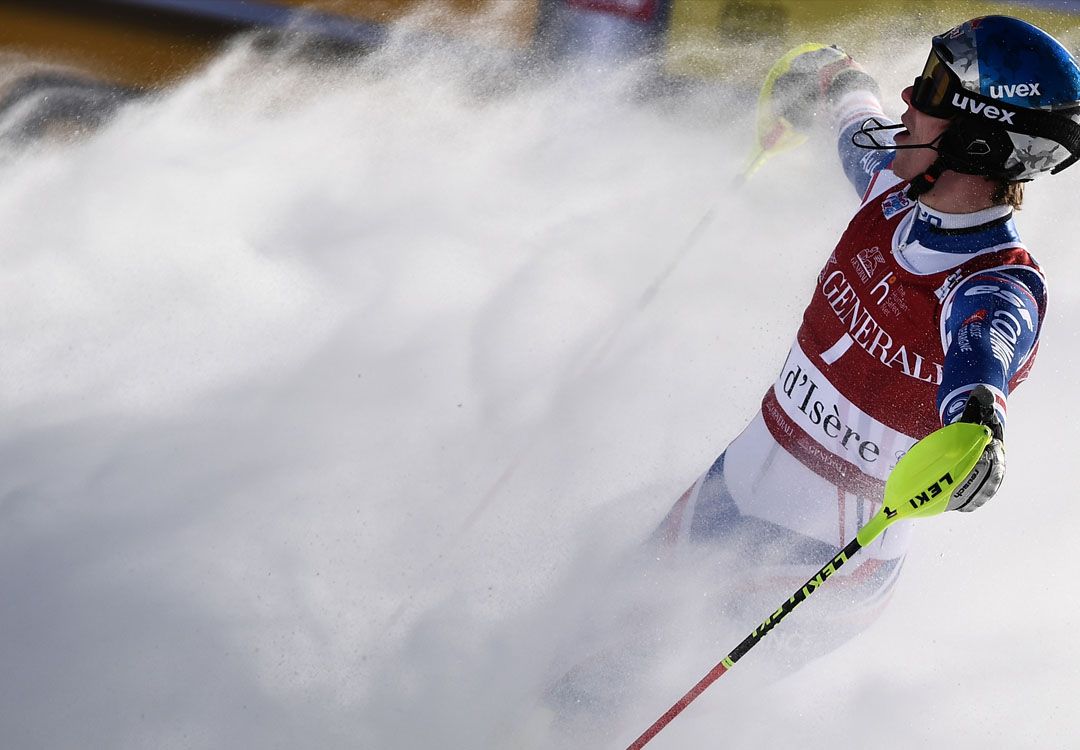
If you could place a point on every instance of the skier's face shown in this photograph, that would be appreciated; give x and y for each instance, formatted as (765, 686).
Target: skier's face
(919, 128)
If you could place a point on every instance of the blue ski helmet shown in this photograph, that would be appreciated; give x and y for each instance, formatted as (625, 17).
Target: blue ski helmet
(1013, 93)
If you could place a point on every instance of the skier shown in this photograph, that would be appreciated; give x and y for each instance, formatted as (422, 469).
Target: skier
(928, 311)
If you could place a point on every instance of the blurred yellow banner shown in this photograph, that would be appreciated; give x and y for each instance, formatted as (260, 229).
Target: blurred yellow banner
(724, 38)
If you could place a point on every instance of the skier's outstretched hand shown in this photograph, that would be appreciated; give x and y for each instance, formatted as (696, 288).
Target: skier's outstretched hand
(985, 479)
(815, 78)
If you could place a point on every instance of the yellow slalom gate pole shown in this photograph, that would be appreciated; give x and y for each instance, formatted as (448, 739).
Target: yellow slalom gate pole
(775, 133)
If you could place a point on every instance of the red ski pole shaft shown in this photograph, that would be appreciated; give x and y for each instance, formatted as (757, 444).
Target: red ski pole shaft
(748, 643)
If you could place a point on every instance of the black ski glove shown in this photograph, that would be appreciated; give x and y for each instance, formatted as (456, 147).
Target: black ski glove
(985, 479)
(816, 78)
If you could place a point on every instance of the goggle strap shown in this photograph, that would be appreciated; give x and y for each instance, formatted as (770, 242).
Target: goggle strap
(1033, 122)
(1065, 164)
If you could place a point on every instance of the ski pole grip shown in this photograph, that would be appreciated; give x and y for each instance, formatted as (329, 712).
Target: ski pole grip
(924, 479)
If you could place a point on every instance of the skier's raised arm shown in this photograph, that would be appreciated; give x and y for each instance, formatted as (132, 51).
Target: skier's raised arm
(857, 104)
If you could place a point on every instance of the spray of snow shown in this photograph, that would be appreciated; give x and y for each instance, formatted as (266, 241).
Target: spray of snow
(332, 416)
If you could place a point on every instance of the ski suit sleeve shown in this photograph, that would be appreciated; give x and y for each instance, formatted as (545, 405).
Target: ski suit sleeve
(860, 165)
(990, 331)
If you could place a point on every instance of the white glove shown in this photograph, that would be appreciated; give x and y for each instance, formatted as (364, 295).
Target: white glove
(985, 479)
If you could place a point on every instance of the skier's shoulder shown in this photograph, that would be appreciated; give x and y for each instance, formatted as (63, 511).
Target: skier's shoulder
(883, 179)
(1020, 285)
(999, 254)
(1009, 284)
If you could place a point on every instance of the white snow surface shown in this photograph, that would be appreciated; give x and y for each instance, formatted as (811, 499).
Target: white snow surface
(329, 402)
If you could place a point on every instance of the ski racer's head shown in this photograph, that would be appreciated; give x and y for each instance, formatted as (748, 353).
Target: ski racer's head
(997, 98)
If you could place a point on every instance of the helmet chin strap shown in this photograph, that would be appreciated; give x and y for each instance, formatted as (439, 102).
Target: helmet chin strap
(923, 183)
(867, 137)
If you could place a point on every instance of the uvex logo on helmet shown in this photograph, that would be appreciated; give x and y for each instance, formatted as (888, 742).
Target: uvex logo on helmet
(982, 108)
(1015, 89)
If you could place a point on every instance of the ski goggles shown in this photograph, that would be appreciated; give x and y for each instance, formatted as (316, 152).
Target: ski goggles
(930, 92)
(939, 93)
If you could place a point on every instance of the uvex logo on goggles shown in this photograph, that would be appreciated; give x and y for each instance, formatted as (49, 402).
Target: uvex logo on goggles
(988, 111)
(936, 92)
